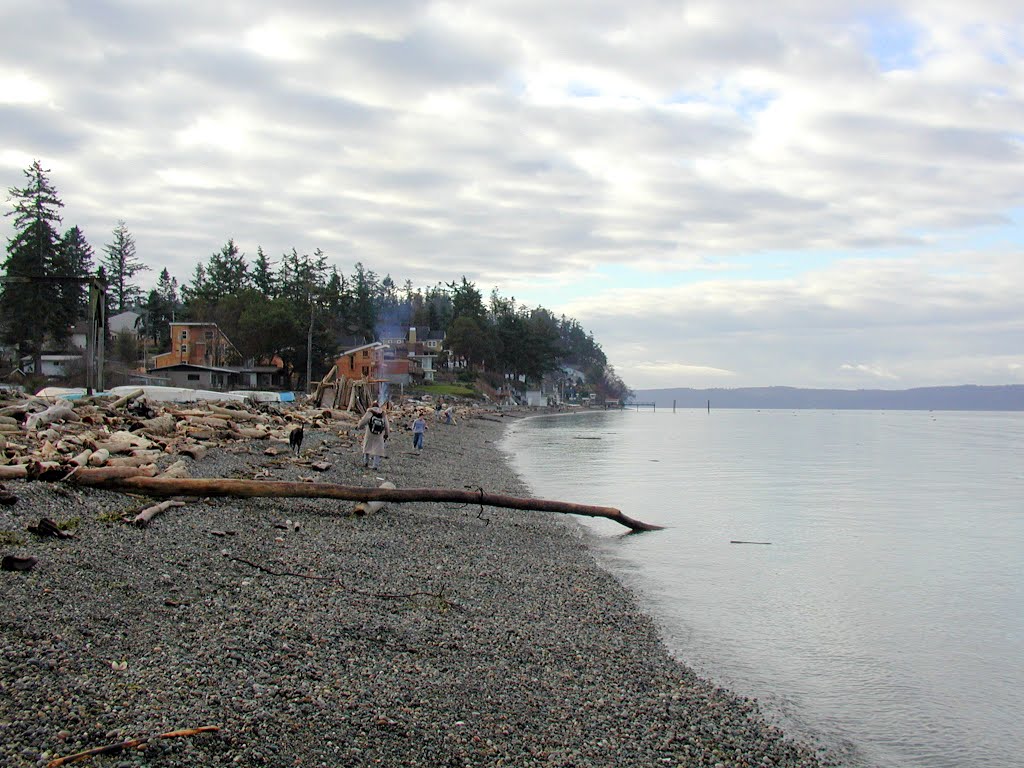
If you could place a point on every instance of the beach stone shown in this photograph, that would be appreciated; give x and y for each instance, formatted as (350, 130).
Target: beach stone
(420, 634)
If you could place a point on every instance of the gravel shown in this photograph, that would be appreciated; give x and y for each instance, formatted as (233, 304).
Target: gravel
(419, 635)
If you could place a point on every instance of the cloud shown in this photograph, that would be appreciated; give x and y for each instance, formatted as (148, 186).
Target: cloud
(773, 196)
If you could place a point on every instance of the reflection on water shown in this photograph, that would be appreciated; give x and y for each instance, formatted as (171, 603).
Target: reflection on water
(888, 608)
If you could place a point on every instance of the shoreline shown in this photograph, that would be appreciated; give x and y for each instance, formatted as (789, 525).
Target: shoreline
(424, 634)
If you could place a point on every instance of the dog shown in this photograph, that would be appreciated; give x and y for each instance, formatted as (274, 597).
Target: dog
(295, 440)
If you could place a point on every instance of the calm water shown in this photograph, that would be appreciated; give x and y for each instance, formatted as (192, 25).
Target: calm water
(885, 616)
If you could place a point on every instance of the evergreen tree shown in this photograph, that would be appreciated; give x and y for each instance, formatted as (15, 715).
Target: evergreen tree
(122, 264)
(227, 272)
(160, 309)
(31, 307)
(263, 275)
(467, 301)
(75, 257)
(365, 287)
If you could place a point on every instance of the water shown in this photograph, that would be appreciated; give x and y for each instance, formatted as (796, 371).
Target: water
(886, 615)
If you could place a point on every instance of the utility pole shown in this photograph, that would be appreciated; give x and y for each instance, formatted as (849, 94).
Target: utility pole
(309, 347)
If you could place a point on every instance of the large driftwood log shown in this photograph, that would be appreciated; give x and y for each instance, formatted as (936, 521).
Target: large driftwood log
(164, 486)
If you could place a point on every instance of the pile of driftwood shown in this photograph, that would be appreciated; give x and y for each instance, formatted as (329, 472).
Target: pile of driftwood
(340, 392)
(41, 435)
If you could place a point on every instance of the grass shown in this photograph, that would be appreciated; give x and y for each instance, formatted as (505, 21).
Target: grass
(447, 390)
(11, 539)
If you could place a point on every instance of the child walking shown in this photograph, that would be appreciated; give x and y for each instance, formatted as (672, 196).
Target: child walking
(419, 428)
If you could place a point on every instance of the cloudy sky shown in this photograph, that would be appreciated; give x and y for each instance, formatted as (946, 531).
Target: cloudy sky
(816, 193)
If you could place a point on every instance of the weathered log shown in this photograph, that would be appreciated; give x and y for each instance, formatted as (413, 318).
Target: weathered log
(129, 461)
(123, 746)
(59, 411)
(178, 469)
(99, 458)
(96, 476)
(369, 507)
(164, 486)
(13, 472)
(161, 425)
(235, 414)
(126, 398)
(81, 459)
(252, 433)
(193, 450)
(145, 517)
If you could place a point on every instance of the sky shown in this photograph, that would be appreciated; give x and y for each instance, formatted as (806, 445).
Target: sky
(809, 193)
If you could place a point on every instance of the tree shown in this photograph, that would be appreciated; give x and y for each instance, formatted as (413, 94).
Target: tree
(467, 301)
(365, 289)
(122, 264)
(263, 275)
(74, 260)
(159, 310)
(32, 308)
(227, 272)
(467, 339)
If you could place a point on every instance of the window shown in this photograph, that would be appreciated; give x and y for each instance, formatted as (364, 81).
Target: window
(366, 370)
(184, 349)
(193, 377)
(184, 333)
(366, 353)
(209, 335)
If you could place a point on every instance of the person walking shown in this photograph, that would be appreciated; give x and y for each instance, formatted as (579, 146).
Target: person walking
(419, 428)
(377, 431)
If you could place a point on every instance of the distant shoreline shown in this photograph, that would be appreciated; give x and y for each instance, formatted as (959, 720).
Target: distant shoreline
(1008, 397)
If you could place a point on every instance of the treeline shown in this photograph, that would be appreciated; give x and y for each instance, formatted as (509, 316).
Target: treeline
(290, 307)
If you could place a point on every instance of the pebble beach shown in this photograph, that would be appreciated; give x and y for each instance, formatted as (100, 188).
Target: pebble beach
(420, 634)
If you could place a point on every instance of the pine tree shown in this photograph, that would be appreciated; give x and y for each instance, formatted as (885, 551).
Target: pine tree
(29, 308)
(122, 265)
(75, 260)
(159, 310)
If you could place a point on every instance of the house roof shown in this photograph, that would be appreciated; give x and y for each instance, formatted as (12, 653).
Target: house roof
(190, 367)
(374, 345)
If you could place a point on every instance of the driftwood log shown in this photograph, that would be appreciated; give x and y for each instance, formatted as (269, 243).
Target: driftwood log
(145, 517)
(369, 507)
(123, 746)
(173, 486)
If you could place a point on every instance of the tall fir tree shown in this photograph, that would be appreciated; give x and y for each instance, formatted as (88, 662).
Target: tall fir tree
(122, 264)
(29, 304)
(75, 260)
(160, 309)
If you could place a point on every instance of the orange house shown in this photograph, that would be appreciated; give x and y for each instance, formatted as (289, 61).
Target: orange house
(363, 362)
(196, 344)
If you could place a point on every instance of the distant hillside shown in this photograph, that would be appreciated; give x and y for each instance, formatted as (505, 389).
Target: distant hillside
(961, 398)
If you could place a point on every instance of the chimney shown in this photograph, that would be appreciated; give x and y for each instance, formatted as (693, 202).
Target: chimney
(412, 334)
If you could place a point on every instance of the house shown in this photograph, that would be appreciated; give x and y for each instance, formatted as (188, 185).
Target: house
(202, 344)
(202, 357)
(195, 376)
(55, 365)
(362, 362)
(397, 370)
(122, 321)
(419, 345)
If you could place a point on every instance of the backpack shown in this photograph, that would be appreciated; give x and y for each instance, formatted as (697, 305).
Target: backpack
(377, 424)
